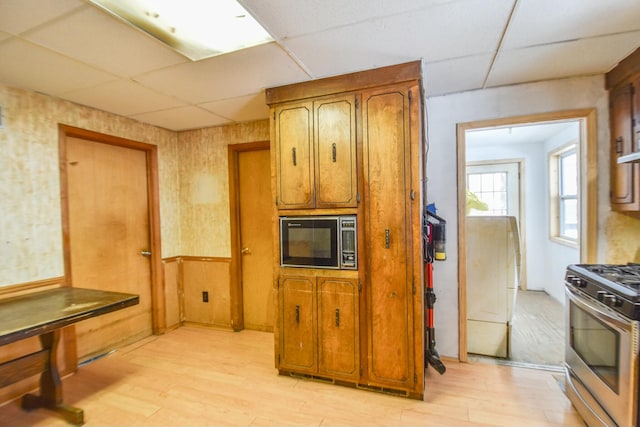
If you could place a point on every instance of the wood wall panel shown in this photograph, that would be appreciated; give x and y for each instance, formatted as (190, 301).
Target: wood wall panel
(210, 275)
(173, 291)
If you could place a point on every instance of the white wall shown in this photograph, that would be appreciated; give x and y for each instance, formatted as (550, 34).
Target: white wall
(558, 256)
(443, 114)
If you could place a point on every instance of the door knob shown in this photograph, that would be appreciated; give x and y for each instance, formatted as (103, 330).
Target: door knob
(245, 251)
(145, 252)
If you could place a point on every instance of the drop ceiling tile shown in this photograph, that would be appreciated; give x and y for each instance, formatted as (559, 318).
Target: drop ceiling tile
(575, 58)
(450, 30)
(96, 38)
(307, 17)
(226, 76)
(548, 21)
(123, 97)
(240, 109)
(17, 16)
(182, 118)
(456, 75)
(25, 65)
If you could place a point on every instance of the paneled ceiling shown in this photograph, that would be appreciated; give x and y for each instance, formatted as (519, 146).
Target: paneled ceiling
(72, 50)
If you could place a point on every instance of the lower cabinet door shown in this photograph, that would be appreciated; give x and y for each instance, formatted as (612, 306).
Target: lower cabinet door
(338, 319)
(298, 317)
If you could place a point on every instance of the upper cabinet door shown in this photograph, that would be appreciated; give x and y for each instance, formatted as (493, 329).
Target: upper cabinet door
(294, 156)
(623, 194)
(335, 152)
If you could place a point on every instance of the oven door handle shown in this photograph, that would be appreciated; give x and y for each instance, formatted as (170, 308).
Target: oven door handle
(584, 302)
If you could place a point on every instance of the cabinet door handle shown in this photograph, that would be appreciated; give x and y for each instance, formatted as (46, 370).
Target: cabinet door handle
(337, 317)
(387, 238)
(334, 152)
(297, 314)
(619, 145)
(293, 156)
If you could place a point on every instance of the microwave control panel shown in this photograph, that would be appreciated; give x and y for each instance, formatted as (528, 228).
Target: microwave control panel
(348, 241)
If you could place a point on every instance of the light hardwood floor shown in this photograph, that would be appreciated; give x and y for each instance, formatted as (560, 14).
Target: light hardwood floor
(207, 377)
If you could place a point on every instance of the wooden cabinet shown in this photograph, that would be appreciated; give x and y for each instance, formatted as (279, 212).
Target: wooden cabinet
(294, 155)
(319, 326)
(338, 327)
(298, 320)
(315, 145)
(623, 83)
(390, 293)
(353, 144)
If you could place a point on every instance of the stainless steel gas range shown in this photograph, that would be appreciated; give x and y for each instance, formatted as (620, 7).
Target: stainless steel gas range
(602, 342)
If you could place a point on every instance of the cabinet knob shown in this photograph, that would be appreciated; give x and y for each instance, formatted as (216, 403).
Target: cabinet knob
(297, 314)
(334, 152)
(387, 238)
(293, 156)
(245, 251)
(337, 317)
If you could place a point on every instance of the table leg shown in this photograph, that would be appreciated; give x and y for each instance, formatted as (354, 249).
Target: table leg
(50, 385)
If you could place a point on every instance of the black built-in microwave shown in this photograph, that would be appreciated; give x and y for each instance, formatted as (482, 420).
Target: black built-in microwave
(319, 242)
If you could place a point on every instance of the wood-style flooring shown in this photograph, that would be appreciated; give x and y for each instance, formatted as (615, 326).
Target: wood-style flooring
(207, 377)
(537, 330)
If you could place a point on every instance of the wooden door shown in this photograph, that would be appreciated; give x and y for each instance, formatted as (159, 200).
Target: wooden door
(338, 337)
(294, 156)
(254, 188)
(108, 229)
(388, 237)
(335, 152)
(298, 313)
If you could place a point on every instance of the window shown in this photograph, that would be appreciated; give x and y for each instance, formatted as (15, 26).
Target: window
(490, 188)
(564, 202)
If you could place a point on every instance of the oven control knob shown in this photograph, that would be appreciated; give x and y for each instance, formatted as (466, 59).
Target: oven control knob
(611, 300)
(576, 281)
(601, 295)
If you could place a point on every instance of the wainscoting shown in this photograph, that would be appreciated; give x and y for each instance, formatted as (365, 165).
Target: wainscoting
(200, 289)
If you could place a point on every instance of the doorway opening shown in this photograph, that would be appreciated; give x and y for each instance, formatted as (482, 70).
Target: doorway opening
(521, 227)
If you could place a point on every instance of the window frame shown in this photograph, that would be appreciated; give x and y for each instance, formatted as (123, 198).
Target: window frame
(555, 198)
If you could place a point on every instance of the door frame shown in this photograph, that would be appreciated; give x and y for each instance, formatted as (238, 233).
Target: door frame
(158, 318)
(235, 286)
(588, 187)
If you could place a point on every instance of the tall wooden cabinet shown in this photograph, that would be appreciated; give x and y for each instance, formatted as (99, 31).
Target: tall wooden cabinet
(387, 223)
(623, 83)
(352, 144)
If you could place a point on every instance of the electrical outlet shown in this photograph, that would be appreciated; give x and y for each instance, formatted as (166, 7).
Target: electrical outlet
(205, 296)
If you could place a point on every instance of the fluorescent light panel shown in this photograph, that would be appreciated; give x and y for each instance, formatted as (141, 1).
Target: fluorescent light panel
(197, 29)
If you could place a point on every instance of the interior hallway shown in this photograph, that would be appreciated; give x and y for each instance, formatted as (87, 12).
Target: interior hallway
(207, 377)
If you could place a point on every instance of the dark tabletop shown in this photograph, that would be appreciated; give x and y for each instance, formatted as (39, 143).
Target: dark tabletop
(41, 312)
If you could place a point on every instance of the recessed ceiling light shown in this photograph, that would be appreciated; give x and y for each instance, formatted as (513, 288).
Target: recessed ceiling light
(197, 29)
